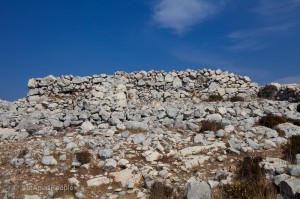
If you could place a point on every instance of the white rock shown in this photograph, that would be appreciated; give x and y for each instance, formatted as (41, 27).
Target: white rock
(87, 126)
(49, 160)
(151, 155)
(98, 181)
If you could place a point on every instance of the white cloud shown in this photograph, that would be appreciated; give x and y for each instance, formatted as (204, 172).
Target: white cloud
(180, 15)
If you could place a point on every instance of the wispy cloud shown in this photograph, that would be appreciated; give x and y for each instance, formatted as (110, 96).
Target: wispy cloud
(289, 80)
(181, 15)
(258, 32)
(254, 39)
(278, 8)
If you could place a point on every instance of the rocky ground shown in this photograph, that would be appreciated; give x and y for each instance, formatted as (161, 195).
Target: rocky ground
(76, 146)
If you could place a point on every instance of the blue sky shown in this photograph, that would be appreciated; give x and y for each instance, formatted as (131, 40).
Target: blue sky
(258, 38)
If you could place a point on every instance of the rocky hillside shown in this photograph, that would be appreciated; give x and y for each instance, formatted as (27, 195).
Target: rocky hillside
(149, 135)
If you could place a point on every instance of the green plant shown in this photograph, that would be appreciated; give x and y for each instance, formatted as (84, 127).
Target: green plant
(215, 98)
(236, 99)
(292, 148)
(271, 121)
(208, 125)
(83, 157)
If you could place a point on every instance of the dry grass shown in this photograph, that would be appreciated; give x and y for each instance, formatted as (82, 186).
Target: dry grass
(236, 99)
(22, 153)
(160, 190)
(83, 157)
(292, 148)
(208, 125)
(271, 121)
(250, 182)
(215, 98)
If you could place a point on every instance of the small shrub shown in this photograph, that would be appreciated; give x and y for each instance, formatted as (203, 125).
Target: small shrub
(249, 190)
(295, 122)
(249, 169)
(236, 99)
(271, 121)
(22, 153)
(250, 182)
(215, 98)
(208, 125)
(298, 108)
(292, 148)
(159, 190)
(83, 157)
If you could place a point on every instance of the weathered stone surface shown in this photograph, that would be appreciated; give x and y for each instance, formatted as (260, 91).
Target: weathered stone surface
(98, 181)
(290, 187)
(49, 160)
(288, 129)
(198, 190)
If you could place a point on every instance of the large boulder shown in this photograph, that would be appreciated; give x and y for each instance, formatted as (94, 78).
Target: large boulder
(290, 188)
(198, 190)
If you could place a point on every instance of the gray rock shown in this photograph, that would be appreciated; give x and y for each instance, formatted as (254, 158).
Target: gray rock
(138, 138)
(56, 124)
(169, 78)
(49, 160)
(253, 144)
(110, 164)
(294, 170)
(279, 178)
(136, 125)
(106, 153)
(200, 140)
(198, 190)
(172, 112)
(220, 133)
(288, 129)
(214, 117)
(87, 126)
(177, 83)
(290, 187)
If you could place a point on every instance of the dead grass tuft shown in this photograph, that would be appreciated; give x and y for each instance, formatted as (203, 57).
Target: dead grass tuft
(160, 190)
(215, 98)
(237, 99)
(22, 153)
(250, 182)
(208, 125)
(83, 157)
(292, 148)
(271, 121)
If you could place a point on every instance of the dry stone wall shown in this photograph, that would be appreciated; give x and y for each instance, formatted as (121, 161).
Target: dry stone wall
(145, 86)
(282, 92)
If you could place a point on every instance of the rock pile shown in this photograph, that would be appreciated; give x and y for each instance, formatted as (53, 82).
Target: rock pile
(153, 85)
(112, 136)
(275, 91)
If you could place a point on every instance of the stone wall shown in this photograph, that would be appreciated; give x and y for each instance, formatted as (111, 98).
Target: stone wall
(145, 86)
(282, 92)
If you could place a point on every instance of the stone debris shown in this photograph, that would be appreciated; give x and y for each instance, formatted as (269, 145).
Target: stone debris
(109, 136)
